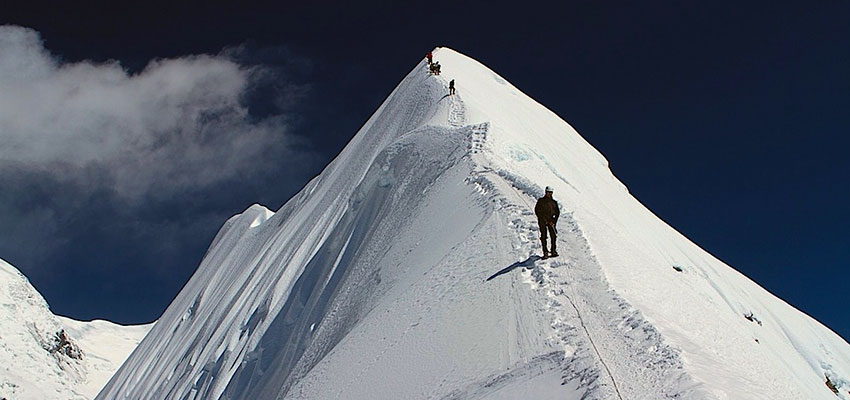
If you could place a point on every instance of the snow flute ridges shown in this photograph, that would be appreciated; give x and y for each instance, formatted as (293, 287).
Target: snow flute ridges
(372, 282)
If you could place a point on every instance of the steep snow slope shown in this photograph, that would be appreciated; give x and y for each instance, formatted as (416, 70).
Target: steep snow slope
(38, 362)
(406, 270)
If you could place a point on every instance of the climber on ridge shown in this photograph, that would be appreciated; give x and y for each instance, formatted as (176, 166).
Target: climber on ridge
(547, 216)
(430, 58)
(451, 87)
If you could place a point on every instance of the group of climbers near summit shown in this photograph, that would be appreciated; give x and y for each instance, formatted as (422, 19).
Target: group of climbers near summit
(546, 209)
(434, 69)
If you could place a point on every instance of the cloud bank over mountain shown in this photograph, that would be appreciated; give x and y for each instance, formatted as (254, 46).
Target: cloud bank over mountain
(178, 124)
(98, 162)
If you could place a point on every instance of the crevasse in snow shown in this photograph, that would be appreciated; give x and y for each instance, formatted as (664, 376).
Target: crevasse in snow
(406, 269)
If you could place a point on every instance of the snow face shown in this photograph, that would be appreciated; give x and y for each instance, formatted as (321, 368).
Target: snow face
(44, 356)
(407, 270)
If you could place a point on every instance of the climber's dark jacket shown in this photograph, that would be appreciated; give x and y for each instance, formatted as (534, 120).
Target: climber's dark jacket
(547, 210)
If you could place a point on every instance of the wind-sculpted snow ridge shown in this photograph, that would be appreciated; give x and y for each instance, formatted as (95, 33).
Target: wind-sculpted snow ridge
(608, 346)
(47, 357)
(406, 269)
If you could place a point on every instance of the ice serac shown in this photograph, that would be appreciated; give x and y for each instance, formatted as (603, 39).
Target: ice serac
(47, 357)
(406, 270)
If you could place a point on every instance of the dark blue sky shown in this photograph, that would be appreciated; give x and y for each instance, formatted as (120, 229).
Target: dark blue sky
(728, 120)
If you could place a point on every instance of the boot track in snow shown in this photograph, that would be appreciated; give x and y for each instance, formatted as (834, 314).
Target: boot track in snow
(630, 359)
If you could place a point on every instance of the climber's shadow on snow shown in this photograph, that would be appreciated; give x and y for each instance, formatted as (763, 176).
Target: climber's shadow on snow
(527, 263)
(441, 98)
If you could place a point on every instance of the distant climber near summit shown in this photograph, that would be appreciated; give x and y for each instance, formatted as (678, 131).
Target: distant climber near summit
(547, 216)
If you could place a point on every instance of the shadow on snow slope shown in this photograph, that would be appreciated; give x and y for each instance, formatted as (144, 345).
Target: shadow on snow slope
(527, 263)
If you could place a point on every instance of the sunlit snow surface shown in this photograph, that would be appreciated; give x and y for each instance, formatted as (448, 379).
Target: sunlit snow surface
(31, 368)
(372, 282)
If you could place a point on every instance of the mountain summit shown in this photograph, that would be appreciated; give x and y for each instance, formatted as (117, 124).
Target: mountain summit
(407, 270)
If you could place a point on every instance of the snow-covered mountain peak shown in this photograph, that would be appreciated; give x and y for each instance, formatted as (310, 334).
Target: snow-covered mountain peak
(28, 320)
(406, 269)
(45, 357)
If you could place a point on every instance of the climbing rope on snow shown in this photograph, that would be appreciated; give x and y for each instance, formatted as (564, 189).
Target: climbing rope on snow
(578, 313)
(593, 344)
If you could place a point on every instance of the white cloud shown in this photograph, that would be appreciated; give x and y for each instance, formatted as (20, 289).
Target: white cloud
(178, 124)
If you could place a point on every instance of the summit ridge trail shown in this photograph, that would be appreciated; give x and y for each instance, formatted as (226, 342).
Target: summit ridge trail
(606, 342)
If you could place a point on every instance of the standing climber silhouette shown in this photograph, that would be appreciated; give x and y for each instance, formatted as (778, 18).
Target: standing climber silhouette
(547, 216)
(452, 87)
(430, 58)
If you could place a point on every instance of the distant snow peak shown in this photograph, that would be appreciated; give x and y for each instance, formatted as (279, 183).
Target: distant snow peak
(45, 357)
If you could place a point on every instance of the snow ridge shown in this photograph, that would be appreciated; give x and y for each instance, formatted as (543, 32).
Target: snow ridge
(577, 274)
(406, 269)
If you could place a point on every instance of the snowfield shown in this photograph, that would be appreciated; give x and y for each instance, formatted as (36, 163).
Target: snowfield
(35, 364)
(407, 270)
